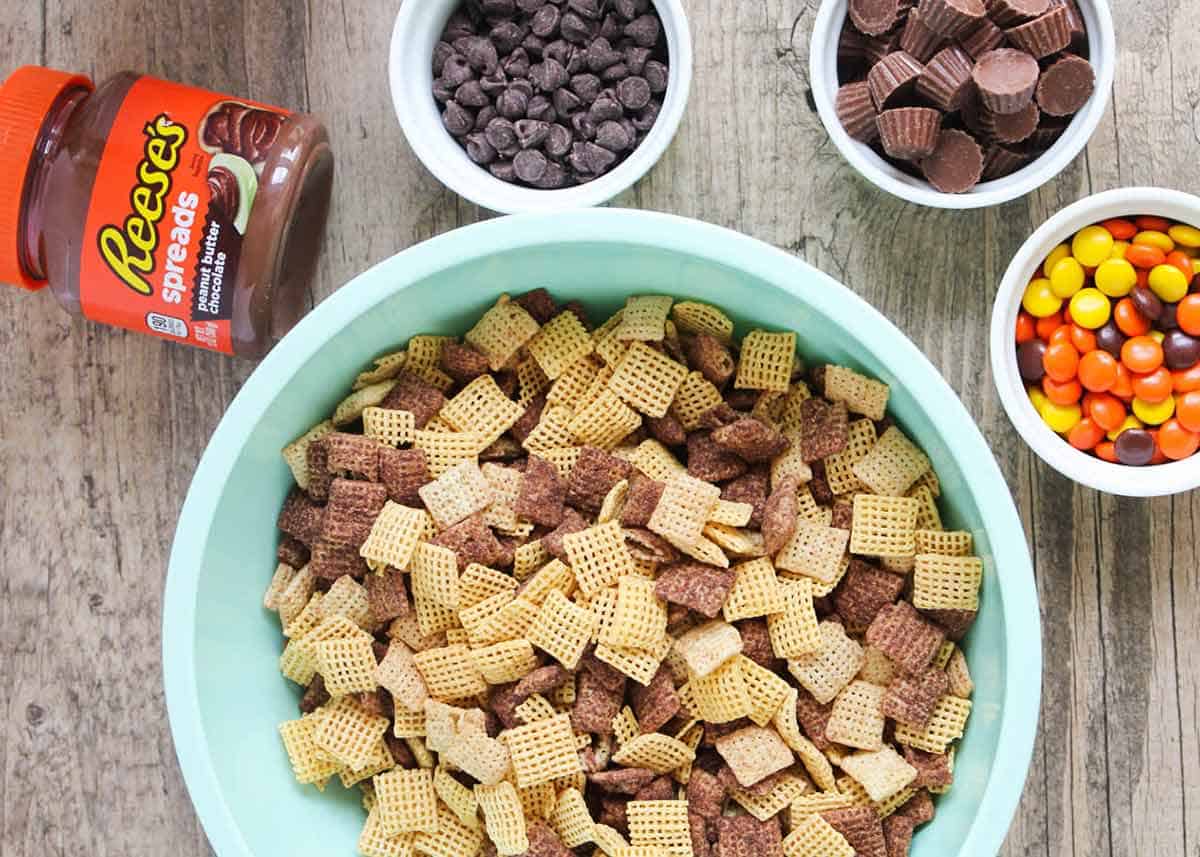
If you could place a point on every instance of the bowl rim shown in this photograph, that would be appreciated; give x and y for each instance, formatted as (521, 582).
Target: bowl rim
(1153, 481)
(823, 76)
(410, 78)
(1015, 586)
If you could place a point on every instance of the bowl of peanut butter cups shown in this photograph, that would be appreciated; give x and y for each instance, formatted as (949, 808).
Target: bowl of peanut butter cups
(961, 103)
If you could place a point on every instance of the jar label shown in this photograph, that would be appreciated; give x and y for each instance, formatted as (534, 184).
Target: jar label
(175, 191)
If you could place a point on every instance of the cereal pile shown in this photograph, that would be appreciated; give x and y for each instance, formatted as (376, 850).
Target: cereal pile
(548, 93)
(1108, 340)
(636, 589)
(958, 90)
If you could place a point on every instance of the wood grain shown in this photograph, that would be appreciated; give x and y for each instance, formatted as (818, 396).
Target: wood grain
(100, 430)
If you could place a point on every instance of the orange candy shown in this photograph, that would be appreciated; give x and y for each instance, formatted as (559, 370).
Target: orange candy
(1106, 410)
(1152, 223)
(1123, 388)
(1186, 380)
(1129, 321)
(1085, 435)
(1061, 334)
(1047, 325)
(1120, 228)
(1141, 354)
(1106, 451)
(1187, 410)
(1082, 338)
(1176, 441)
(1062, 393)
(1026, 329)
(1097, 371)
(1061, 360)
(1187, 315)
(1179, 259)
(1153, 387)
(1144, 256)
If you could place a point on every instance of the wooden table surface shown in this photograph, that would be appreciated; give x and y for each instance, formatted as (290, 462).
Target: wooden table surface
(100, 430)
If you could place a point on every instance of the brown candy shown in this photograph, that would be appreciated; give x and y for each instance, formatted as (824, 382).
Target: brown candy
(983, 37)
(1006, 79)
(917, 39)
(874, 17)
(951, 18)
(1011, 127)
(1045, 35)
(909, 133)
(856, 111)
(1066, 86)
(956, 163)
(946, 78)
(1009, 12)
(892, 78)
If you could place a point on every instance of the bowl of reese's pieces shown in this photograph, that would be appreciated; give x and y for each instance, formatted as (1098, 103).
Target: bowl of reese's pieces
(600, 530)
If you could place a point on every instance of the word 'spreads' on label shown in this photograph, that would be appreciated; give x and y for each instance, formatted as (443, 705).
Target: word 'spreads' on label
(173, 196)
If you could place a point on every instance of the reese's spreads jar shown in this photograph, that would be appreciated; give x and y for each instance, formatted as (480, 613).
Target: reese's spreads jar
(161, 208)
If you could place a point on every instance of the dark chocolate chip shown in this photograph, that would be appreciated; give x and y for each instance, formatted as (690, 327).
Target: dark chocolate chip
(531, 133)
(615, 73)
(645, 120)
(481, 54)
(456, 71)
(506, 36)
(589, 9)
(541, 109)
(644, 30)
(457, 119)
(560, 50)
(533, 45)
(630, 9)
(459, 25)
(656, 75)
(484, 117)
(586, 86)
(442, 91)
(577, 29)
(545, 21)
(512, 103)
(501, 134)
(480, 150)
(635, 58)
(442, 51)
(493, 84)
(600, 55)
(612, 27)
(516, 64)
(548, 75)
(554, 177)
(633, 93)
(558, 141)
(583, 125)
(565, 102)
(498, 8)
(471, 94)
(613, 136)
(605, 107)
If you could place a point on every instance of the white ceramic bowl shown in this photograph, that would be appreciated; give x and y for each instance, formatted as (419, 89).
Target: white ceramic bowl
(824, 80)
(418, 27)
(1153, 481)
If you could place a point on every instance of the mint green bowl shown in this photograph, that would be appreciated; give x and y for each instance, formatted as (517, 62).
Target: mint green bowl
(225, 695)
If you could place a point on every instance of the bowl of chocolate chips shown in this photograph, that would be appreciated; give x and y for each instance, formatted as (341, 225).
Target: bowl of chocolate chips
(961, 103)
(540, 105)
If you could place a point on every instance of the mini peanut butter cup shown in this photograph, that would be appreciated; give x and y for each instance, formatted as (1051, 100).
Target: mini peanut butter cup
(1006, 79)
(956, 163)
(909, 133)
(878, 47)
(1066, 86)
(1000, 161)
(983, 37)
(1011, 127)
(856, 111)
(1009, 12)
(1075, 21)
(1046, 135)
(874, 17)
(951, 18)
(1045, 35)
(852, 45)
(892, 78)
(917, 40)
(946, 78)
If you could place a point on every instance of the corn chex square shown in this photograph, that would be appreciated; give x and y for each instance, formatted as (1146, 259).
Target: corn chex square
(482, 407)
(825, 672)
(638, 664)
(947, 582)
(348, 732)
(766, 361)
(560, 344)
(503, 816)
(647, 380)
(347, 665)
(397, 673)
(882, 772)
(458, 493)
(572, 819)
(766, 690)
(816, 837)
(654, 752)
(756, 591)
(815, 550)
(644, 318)
(660, 822)
(452, 838)
(722, 695)
(501, 332)
(884, 526)
(857, 717)
(542, 751)
(310, 763)
(562, 629)
(695, 397)
(604, 422)
(794, 631)
(394, 427)
(598, 557)
(372, 842)
(707, 646)
(945, 726)
(696, 317)
(839, 467)
(944, 542)
(435, 575)
(450, 673)
(893, 465)
(753, 753)
(406, 802)
(394, 536)
(861, 394)
(640, 618)
(683, 509)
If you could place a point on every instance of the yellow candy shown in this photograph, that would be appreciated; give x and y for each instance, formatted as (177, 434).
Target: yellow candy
(1154, 413)
(1090, 308)
(1154, 238)
(1115, 277)
(1131, 422)
(1168, 282)
(1091, 245)
(1184, 235)
(1037, 398)
(1066, 277)
(1061, 418)
(1157, 335)
(1118, 250)
(1039, 300)
(1059, 253)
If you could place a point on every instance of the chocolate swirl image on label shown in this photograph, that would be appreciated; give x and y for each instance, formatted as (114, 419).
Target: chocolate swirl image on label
(222, 184)
(232, 185)
(242, 130)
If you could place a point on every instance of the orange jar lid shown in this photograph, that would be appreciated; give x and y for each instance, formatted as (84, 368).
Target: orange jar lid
(26, 99)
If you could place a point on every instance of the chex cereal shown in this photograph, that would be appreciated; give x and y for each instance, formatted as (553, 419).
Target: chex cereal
(643, 589)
